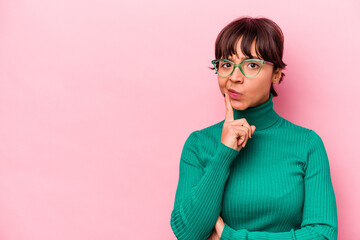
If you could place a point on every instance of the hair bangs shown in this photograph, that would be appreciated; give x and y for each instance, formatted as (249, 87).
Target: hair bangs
(226, 45)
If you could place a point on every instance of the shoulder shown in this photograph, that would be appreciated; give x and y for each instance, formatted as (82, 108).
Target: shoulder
(204, 140)
(207, 132)
(295, 127)
(315, 153)
(314, 142)
(306, 133)
(210, 133)
(309, 140)
(310, 134)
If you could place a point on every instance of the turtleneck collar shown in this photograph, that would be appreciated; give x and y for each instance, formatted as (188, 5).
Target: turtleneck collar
(262, 116)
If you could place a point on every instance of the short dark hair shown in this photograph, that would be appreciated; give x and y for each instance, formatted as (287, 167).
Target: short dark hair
(269, 44)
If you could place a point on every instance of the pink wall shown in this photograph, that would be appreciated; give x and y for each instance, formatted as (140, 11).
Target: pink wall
(97, 98)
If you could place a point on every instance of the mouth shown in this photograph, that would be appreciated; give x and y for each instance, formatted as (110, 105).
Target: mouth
(233, 91)
(234, 94)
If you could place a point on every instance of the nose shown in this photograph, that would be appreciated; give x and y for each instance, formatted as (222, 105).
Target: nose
(237, 75)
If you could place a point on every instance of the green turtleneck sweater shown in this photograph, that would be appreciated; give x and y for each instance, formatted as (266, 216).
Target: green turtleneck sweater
(277, 187)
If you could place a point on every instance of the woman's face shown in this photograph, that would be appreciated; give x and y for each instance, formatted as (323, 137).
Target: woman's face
(253, 91)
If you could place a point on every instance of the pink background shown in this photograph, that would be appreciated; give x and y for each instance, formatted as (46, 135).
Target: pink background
(98, 97)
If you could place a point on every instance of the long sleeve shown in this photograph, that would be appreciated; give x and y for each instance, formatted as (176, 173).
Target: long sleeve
(199, 193)
(319, 215)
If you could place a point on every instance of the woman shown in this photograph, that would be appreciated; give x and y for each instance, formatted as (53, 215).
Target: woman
(254, 175)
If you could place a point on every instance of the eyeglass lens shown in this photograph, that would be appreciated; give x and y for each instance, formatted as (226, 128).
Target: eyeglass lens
(250, 68)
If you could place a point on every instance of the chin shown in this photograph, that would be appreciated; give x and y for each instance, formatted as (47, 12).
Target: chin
(240, 106)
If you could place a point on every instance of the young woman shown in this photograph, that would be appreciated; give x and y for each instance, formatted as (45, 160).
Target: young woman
(254, 175)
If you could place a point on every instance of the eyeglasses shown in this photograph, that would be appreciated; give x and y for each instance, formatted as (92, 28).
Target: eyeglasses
(248, 67)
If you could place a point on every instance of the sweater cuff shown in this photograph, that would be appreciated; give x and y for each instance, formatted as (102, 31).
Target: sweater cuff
(226, 233)
(224, 155)
(229, 233)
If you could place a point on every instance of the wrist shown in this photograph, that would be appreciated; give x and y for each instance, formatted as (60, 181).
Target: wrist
(219, 229)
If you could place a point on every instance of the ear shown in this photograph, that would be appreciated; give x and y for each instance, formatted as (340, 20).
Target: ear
(276, 76)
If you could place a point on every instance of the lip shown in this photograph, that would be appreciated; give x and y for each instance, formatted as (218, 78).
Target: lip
(232, 90)
(234, 95)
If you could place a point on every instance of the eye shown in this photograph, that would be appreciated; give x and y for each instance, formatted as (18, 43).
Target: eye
(253, 65)
(225, 65)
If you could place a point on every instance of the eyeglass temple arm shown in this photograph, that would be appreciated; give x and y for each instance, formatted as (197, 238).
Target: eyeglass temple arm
(268, 62)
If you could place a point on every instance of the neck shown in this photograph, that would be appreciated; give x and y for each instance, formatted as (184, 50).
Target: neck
(262, 116)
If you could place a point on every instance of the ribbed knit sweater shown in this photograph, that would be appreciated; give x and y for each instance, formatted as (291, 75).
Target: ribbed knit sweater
(277, 187)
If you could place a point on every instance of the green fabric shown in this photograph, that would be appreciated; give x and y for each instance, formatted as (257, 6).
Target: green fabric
(277, 187)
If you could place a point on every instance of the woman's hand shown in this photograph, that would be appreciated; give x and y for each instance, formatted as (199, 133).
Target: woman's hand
(213, 236)
(235, 133)
(217, 230)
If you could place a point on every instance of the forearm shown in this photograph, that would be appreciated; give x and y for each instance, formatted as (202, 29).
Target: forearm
(309, 232)
(195, 215)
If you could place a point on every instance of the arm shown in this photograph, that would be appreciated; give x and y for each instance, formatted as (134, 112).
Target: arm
(199, 194)
(319, 216)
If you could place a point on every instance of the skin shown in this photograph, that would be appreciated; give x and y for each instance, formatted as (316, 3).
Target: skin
(217, 231)
(255, 91)
(235, 133)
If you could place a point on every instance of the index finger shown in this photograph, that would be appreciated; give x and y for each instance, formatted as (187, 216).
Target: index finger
(229, 114)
